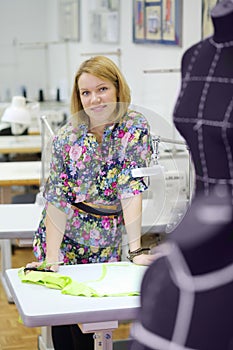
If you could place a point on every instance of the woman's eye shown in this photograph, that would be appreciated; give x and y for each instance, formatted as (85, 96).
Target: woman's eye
(104, 88)
(85, 93)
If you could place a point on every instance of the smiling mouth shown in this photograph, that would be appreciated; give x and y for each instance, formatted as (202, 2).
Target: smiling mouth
(99, 108)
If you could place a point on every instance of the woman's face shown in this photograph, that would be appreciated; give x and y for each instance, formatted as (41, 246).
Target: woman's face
(98, 97)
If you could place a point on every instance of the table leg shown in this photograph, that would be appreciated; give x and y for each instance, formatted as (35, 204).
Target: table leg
(5, 194)
(103, 340)
(102, 333)
(45, 339)
(6, 264)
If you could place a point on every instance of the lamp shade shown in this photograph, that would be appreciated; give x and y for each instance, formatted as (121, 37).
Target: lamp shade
(17, 112)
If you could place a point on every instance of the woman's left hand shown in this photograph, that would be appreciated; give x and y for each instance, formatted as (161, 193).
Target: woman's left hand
(146, 259)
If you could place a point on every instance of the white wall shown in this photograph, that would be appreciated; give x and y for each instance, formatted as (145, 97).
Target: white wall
(38, 66)
(21, 21)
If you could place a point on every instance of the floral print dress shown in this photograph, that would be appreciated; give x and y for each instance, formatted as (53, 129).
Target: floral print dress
(81, 169)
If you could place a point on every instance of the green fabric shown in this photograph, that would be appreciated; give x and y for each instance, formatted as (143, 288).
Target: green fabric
(114, 280)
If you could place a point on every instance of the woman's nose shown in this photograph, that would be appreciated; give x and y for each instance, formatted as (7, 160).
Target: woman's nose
(95, 98)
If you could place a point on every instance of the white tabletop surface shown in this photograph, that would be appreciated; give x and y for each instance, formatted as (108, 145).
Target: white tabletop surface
(19, 171)
(41, 306)
(19, 220)
(21, 143)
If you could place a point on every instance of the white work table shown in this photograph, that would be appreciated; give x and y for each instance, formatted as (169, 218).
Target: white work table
(41, 306)
(20, 144)
(18, 221)
(18, 174)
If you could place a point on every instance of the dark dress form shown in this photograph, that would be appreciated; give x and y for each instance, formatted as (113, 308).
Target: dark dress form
(204, 110)
(179, 312)
(187, 296)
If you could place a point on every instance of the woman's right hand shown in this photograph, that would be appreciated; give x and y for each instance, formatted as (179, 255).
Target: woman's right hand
(42, 264)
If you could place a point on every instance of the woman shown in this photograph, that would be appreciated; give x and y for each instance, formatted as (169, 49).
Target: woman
(92, 198)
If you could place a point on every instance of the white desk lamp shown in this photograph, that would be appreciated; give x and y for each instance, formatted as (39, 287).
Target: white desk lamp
(18, 115)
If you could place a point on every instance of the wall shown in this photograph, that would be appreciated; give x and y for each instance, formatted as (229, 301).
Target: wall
(26, 59)
(21, 21)
(156, 92)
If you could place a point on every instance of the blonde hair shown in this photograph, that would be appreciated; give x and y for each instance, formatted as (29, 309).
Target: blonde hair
(103, 68)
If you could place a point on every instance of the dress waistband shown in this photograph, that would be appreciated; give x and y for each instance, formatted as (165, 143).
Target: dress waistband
(100, 210)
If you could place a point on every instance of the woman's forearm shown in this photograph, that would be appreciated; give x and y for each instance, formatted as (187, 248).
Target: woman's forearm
(55, 227)
(132, 211)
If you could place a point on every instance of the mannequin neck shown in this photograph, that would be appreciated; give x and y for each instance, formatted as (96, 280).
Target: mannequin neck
(222, 17)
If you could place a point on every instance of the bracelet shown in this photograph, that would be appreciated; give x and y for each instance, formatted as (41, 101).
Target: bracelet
(136, 252)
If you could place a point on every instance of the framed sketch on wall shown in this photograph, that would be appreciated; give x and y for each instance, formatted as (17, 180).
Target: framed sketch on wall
(157, 21)
(207, 25)
(69, 15)
(104, 21)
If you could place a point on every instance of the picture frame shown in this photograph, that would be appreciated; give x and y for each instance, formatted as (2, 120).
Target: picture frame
(104, 21)
(157, 22)
(207, 25)
(69, 20)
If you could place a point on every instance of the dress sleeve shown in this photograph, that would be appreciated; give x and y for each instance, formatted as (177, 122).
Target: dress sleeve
(54, 191)
(137, 154)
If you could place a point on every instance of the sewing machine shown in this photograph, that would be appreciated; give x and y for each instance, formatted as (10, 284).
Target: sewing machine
(170, 187)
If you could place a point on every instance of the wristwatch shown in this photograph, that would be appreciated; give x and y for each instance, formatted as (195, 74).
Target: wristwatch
(136, 252)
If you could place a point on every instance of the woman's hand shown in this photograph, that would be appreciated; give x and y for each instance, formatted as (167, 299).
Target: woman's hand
(43, 265)
(146, 259)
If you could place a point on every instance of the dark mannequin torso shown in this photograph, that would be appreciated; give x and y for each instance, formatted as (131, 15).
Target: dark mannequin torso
(186, 296)
(204, 110)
